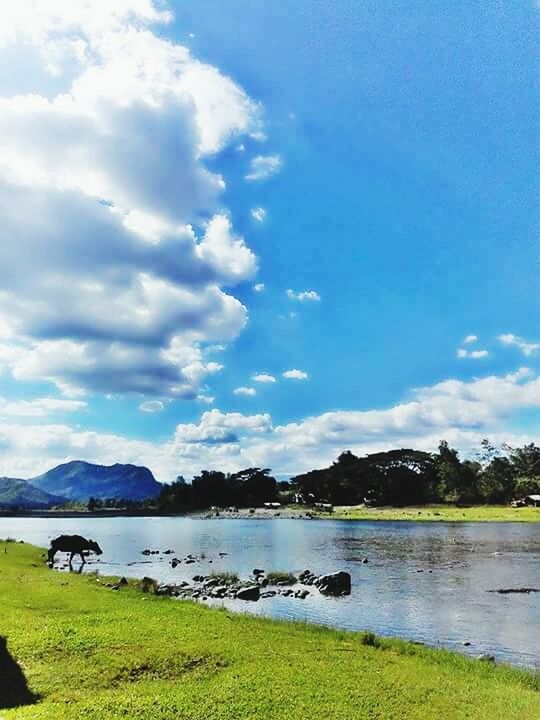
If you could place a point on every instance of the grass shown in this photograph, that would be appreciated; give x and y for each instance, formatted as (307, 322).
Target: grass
(280, 577)
(224, 578)
(90, 652)
(440, 513)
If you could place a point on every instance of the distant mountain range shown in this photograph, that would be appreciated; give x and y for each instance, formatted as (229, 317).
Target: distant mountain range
(78, 481)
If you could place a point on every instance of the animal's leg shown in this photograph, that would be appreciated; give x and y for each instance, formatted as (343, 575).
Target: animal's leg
(82, 557)
(71, 558)
(50, 555)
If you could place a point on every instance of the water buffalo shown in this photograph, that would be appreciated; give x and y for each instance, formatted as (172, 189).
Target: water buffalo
(73, 544)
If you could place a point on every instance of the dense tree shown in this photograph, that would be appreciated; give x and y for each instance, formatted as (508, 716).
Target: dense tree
(527, 486)
(497, 480)
(526, 460)
(176, 497)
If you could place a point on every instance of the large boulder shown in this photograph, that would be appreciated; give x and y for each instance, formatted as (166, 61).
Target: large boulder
(253, 592)
(336, 584)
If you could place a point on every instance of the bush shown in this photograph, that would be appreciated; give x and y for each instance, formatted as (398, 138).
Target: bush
(370, 639)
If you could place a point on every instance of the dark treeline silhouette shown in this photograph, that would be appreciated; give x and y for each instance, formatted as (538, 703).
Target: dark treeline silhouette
(253, 486)
(396, 477)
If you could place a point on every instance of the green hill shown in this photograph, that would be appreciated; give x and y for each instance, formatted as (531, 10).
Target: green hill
(20, 493)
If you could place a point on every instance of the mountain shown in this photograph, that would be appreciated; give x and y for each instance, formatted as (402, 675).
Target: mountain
(80, 480)
(20, 493)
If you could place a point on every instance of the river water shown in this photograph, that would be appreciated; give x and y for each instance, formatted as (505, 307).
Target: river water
(427, 582)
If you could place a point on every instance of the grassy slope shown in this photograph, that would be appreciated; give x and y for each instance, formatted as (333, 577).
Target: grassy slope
(95, 653)
(440, 513)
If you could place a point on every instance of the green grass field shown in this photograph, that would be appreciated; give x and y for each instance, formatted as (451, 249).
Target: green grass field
(439, 513)
(94, 653)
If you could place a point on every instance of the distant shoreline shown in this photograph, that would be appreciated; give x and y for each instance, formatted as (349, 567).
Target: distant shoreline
(420, 513)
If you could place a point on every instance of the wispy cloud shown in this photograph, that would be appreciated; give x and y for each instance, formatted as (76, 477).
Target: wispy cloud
(264, 378)
(152, 406)
(248, 391)
(304, 295)
(258, 214)
(527, 348)
(295, 374)
(39, 407)
(264, 166)
(472, 354)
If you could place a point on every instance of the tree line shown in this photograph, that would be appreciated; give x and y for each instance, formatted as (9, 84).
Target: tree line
(395, 477)
(405, 477)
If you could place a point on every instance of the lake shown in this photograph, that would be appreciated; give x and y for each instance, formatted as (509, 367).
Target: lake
(426, 582)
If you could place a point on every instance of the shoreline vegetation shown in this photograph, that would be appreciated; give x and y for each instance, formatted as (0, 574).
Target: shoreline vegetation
(82, 650)
(416, 513)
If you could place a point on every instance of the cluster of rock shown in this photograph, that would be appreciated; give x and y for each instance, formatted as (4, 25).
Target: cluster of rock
(259, 586)
(208, 587)
(187, 560)
(336, 584)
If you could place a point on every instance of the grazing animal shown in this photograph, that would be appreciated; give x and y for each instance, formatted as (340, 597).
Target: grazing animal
(73, 544)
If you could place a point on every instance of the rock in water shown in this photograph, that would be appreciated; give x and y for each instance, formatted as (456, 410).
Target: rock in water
(253, 592)
(336, 584)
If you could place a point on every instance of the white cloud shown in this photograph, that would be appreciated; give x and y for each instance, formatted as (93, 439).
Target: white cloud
(263, 167)
(295, 375)
(304, 296)
(206, 399)
(461, 412)
(470, 339)
(249, 391)
(259, 287)
(106, 187)
(527, 348)
(152, 406)
(263, 378)
(472, 354)
(39, 407)
(258, 214)
(218, 427)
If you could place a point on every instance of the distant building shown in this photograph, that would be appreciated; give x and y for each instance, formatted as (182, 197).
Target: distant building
(328, 507)
(528, 500)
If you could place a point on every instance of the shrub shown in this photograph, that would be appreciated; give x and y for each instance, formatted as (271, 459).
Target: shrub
(370, 639)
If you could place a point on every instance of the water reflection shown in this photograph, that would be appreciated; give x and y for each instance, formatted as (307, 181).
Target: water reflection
(425, 581)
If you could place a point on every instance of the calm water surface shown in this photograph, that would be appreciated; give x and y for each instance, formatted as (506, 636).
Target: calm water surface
(424, 581)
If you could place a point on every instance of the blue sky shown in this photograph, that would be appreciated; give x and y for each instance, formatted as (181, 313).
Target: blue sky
(199, 193)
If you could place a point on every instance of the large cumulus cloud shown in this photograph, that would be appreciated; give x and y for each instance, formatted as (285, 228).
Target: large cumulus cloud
(116, 253)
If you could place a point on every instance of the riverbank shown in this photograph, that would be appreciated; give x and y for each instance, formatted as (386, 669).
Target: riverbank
(92, 652)
(440, 513)
(420, 513)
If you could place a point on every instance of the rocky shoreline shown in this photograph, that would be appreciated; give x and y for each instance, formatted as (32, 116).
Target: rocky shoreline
(259, 585)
